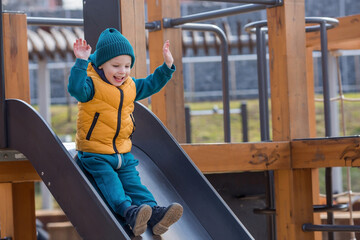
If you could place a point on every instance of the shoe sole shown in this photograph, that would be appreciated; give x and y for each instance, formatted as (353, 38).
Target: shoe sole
(142, 219)
(171, 216)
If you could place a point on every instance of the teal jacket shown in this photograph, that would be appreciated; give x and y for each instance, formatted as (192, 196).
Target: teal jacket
(81, 86)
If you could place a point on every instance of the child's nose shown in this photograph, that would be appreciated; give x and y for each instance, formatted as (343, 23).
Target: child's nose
(122, 70)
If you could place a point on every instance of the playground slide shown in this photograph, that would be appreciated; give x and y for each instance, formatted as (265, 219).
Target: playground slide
(164, 168)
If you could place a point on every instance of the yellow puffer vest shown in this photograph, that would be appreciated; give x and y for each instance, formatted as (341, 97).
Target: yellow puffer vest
(105, 123)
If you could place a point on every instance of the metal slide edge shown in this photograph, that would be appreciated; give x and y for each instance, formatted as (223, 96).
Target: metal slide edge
(210, 209)
(29, 134)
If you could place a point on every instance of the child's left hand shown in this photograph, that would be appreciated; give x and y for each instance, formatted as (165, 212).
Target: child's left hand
(168, 58)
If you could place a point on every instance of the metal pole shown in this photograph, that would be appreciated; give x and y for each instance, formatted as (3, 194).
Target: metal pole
(325, 77)
(3, 129)
(267, 2)
(213, 14)
(244, 122)
(264, 122)
(225, 70)
(327, 118)
(44, 21)
(188, 123)
(330, 228)
(262, 82)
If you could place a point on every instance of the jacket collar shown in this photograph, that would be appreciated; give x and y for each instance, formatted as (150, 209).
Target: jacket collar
(101, 73)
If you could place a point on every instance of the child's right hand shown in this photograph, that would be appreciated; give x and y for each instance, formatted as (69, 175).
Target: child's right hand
(82, 50)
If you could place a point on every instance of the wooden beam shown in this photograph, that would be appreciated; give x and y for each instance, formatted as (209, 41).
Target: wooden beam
(17, 200)
(16, 64)
(290, 114)
(133, 28)
(132, 13)
(345, 36)
(311, 153)
(237, 157)
(168, 104)
(331, 152)
(17, 211)
(18, 171)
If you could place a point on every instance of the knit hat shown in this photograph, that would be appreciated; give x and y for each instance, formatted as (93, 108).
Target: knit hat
(112, 43)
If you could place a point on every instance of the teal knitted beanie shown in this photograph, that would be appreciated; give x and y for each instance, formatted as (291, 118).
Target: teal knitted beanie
(112, 43)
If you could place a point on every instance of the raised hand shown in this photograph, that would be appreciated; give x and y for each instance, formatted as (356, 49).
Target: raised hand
(168, 58)
(82, 50)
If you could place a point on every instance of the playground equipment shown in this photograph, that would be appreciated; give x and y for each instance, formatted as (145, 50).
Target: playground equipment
(294, 162)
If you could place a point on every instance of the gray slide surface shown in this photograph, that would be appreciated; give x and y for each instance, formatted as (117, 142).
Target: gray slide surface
(164, 168)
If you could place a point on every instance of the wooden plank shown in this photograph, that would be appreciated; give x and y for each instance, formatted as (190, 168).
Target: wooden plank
(18, 171)
(17, 211)
(133, 28)
(50, 215)
(345, 36)
(17, 200)
(168, 104)
(331, 152)
(62, 230)
(237, 157)
(132, 14)
(16, 60)
(310, 153)
(290, 114)
(24, 211)
(6, 213)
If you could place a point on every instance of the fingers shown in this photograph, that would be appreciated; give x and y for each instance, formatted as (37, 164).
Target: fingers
(81, 49)
(166, 46)
(81, 43)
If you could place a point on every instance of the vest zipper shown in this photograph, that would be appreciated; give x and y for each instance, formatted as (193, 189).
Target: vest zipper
(96, 116)
(118, 120)
(134, 126)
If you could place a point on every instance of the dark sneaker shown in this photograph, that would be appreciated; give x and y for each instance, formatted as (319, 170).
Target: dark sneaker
(137, 218)
(163, 217)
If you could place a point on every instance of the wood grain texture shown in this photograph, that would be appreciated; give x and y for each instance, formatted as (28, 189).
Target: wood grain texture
(168, 104)
(345, 36)
(16, 59)
(237, 157)
(17, 210)
(331, 152)
(290, 114)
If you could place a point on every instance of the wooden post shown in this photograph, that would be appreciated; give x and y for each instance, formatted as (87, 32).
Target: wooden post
(290, 115)
(17, 210)
(16, 59)
(133, 27)
(132, 14)
(17, 200)
(168, 104)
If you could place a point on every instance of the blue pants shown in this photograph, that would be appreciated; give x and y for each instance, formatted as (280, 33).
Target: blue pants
(118, 180)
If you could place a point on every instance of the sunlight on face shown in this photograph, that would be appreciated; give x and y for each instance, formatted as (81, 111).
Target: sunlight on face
(117, 69)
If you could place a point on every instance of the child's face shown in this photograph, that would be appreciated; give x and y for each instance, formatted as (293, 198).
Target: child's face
(117, 69)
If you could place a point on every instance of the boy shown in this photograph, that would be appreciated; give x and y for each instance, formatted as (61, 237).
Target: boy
(105, 124)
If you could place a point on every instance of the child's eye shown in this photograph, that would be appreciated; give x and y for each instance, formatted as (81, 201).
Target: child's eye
(115, 66)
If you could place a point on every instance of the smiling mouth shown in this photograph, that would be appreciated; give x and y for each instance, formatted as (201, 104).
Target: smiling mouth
(119, 79)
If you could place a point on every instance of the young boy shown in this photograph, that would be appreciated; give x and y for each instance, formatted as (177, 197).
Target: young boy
(106, 93)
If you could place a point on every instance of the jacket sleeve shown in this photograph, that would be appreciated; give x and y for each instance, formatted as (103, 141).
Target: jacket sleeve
(80, 85)
(153, 83)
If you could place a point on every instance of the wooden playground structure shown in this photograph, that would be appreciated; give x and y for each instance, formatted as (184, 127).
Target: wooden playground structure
(294, 154)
